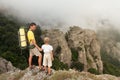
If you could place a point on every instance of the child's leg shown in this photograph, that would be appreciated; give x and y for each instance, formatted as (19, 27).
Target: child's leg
(49, 63)
(45, 68)
(45, 62)
(49, 70)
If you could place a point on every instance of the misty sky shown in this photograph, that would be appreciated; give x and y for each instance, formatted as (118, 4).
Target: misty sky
(49, 13)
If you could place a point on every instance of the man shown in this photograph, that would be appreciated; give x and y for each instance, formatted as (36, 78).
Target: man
(34, 48)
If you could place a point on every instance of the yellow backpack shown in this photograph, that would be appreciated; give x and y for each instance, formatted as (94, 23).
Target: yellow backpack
(22, 36)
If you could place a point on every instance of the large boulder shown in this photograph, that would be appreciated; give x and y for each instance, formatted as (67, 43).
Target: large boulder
(88, 47)
(110, 43)
(6, 66)
(35, 74)
(59, 43)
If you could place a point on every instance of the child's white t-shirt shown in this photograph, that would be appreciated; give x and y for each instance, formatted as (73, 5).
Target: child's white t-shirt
(47, 48)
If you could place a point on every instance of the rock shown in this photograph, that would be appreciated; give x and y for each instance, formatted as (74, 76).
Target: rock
(59, 43)
(6, 66)
(110, 40)
(88, 47)
(107, 77)
(35, 74)
(82, 40)
(112, 48)
(27, 74)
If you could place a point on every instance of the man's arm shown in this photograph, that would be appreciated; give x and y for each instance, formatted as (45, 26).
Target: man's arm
(32, 39)
(40, 49)
(34, 43)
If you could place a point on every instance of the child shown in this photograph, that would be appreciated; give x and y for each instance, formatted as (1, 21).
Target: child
(48, 55)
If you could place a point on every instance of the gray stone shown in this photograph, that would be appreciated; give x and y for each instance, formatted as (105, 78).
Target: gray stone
(58, 41)
(88, 47)
(6, 66)
(35, 74)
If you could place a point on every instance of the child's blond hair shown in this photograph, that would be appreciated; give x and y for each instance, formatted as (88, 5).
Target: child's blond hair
(46, 40)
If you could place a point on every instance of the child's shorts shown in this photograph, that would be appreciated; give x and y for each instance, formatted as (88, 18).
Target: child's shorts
(47, 60)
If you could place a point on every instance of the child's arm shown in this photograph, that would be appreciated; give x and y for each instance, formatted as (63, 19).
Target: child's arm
(52, 55)
(41, 49)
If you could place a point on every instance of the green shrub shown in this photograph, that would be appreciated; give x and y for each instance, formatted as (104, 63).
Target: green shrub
(111, 69)
(93, 71)
(74, 54)
(58, 65)
(110, 64)
(58, 49)
(77, 65)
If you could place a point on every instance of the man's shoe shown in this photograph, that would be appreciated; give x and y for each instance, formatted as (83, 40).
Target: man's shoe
(41, 69)
(31, 67)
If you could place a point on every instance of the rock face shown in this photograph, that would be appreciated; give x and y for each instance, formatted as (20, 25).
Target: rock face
(6, 66)
(88, 47)
(59, 43)
(112, 48)
(35, 74)
(109, 39)
(109, 44)
(84, 41)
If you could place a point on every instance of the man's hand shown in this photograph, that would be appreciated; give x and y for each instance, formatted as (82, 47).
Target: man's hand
(40, 49)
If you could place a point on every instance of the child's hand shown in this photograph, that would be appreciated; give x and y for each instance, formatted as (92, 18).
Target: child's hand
(40, 49)
(52, 58)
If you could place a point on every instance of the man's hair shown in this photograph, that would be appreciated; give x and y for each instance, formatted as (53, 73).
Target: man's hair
(32, 24)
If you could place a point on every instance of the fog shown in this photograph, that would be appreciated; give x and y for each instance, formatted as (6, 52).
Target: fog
(64, 13)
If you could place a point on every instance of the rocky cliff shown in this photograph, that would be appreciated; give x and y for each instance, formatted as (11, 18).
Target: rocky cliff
(83, 40)
(6, 66)
(110, 42)
(35, 74)
(86, 43)
(112, 48)
(58, 41)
